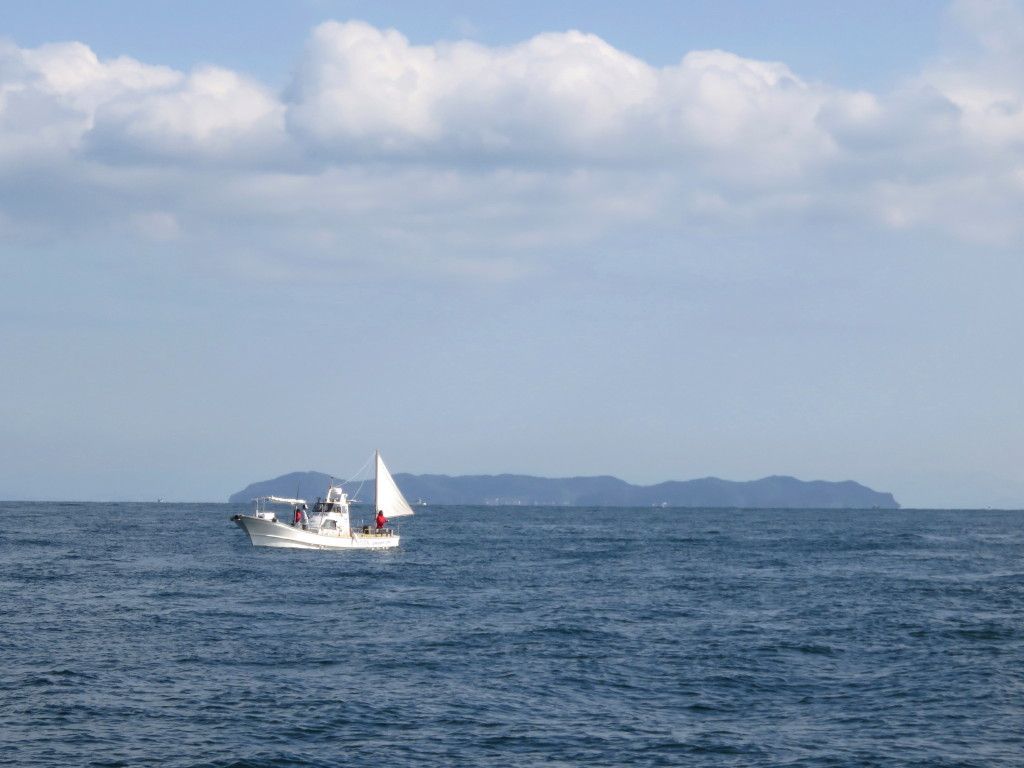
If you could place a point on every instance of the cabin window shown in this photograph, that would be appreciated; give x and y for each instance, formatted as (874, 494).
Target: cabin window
(331, 525)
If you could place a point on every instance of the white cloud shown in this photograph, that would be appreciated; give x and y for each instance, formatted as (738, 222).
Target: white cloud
(363, 91)
(49, 95)
(73, 72)
(61, 98)
(211, 113)
(556, 98)
(984, 80)
(474, 158)
(157, 225)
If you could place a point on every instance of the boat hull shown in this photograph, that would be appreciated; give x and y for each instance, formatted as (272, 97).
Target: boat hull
(267, 533)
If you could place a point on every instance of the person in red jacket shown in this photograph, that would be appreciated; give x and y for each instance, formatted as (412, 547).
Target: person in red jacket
(297, 518)
(381, 520)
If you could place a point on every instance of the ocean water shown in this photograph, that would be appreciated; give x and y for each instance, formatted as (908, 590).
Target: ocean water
(155, 635)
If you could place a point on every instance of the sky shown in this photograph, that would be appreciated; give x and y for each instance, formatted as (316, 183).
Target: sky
(662, 241)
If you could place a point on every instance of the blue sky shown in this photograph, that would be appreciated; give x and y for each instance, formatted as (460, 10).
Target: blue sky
(678, 240)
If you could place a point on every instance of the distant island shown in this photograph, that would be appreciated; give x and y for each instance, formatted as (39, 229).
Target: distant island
(776, 492)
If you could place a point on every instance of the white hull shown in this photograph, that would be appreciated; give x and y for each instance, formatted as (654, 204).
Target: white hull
(265, 533)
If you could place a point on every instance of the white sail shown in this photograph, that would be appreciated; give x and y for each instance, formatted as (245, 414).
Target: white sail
(390, 500)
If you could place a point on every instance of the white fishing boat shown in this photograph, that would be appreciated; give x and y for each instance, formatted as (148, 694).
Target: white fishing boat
(329, 526)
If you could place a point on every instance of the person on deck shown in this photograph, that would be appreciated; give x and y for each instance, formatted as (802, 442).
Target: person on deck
(297, 517)
(381, 520)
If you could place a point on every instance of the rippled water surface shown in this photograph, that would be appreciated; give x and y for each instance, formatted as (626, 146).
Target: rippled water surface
(135, 634)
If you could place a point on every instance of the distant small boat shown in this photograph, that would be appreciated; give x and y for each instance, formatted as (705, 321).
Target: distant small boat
(329, 526)
(420, 503)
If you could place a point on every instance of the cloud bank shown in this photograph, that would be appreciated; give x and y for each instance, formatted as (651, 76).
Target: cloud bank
(458, 156)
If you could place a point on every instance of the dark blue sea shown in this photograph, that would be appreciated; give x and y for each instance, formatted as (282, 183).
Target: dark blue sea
(155, 635)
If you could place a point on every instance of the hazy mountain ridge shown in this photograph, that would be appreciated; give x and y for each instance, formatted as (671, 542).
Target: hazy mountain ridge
(777, 491)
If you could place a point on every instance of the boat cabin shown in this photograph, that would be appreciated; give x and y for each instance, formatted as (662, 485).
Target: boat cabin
(330, 515)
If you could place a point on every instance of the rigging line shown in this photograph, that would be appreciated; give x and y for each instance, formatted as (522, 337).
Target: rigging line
(359, 471)
(361, 484)
(355, 475)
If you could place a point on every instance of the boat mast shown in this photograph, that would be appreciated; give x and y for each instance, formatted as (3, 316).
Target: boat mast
(376, 482)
